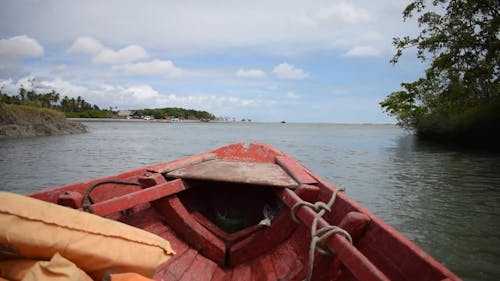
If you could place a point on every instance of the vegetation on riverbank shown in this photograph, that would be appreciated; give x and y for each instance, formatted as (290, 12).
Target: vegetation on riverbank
(163, 113)
(27, 121)
(458, 99)
(79, 108)
(72, 107)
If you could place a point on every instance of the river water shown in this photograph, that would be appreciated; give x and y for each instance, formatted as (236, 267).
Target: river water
(446, 201)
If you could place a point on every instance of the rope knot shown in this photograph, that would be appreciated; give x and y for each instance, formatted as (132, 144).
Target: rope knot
(320, 236)
(318, 206)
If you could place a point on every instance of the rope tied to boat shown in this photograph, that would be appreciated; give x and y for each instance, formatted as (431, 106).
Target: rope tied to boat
(319, 237)
(87, 200)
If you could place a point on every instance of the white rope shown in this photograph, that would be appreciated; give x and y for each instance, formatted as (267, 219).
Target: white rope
(319, 237)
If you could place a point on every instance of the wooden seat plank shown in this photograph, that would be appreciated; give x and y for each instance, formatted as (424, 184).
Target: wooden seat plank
(181, 163)
(129, 200)
(259, 173)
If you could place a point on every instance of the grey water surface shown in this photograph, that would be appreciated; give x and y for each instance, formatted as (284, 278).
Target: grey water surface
(445, 200)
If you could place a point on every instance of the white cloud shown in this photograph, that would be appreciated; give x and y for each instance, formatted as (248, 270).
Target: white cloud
(288, 71)
(66, 88)
(85, 45)
(146, 96)
(143, 92)
(27, 82)
(250, 73)
(292, 95)
(127, 54)
(19, 47)
(289, 26)
(343, 13)
(7, 86)
(155, 67)
(213, 42)
(60, 69)
(31, 83)
(142, 96)
(362, 51)
(105, 55)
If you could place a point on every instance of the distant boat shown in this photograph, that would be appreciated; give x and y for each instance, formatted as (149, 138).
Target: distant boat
(249, 213)
(283, 122)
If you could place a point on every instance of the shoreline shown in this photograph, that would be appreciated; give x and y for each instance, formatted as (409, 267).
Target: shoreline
(219, 121)
(139, 120)
(18, 121)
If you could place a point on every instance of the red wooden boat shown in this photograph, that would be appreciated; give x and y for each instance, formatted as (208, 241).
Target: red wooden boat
(251, 213)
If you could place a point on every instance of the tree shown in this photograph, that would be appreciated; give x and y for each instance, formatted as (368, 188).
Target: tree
(54, 98)
(22, 93)
(460, 91)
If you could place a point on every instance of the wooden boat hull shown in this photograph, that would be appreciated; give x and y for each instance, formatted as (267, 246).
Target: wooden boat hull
(209, 207)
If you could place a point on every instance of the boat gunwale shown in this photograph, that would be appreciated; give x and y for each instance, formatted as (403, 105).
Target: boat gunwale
(389, 230)
(51, 194)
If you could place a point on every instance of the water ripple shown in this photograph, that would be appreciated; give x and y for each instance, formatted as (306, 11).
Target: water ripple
(446, 201)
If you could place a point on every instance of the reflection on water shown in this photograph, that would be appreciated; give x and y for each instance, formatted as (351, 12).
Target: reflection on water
(447, 201)
(453, 208)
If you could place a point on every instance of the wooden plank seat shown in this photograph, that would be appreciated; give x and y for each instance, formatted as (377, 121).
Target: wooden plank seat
(256, 173)
(130, 200)
(206, 168)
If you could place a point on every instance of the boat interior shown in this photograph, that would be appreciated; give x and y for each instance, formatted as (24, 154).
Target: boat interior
(228, 216)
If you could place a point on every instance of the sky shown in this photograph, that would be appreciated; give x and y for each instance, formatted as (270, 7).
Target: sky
(298, 61)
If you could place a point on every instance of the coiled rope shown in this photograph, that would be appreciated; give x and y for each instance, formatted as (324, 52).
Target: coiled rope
(87, 199)
(318, 237)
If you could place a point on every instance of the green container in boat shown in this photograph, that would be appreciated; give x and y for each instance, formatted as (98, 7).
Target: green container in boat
(230, 223)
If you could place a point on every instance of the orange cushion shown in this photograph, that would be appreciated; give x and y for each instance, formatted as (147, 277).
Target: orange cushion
(15, 270)
(129, 277)
(37, 230)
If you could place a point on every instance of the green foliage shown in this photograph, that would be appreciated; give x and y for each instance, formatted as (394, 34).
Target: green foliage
(475, 125)
(25, 97)
(79, 108)
(92, 113)
(70, 106)
(76, 105)
(175, 112)
(461, 85)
